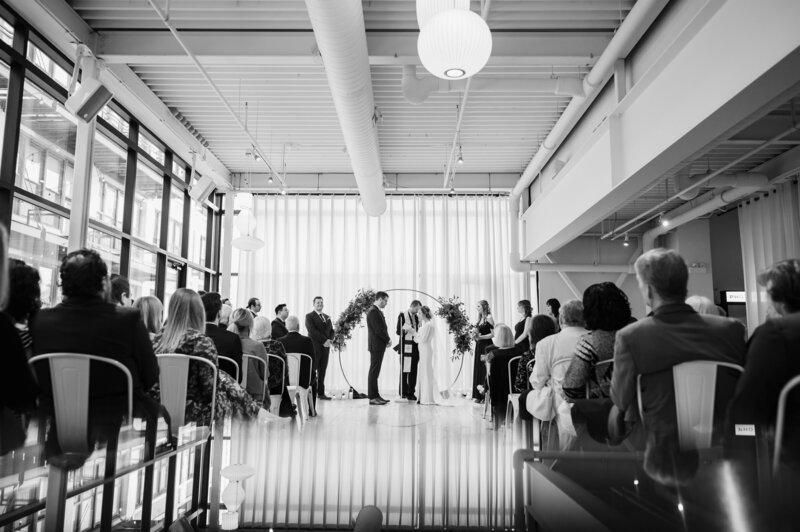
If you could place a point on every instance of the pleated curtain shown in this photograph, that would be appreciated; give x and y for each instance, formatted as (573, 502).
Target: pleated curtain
(770, 232)
(325, 245)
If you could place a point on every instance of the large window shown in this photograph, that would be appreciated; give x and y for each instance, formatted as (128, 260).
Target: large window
(142, 273)
(198, 233)
(170, 285)
(175, 220)
(109, 247)
(3, 87)
(108, 182)
(147, 204)
(195, 279)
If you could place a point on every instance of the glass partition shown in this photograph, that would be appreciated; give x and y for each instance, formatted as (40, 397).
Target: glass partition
(107, 194)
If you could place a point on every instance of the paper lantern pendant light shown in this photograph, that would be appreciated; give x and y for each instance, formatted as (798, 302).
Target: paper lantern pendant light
(426, 9)
(455, 44)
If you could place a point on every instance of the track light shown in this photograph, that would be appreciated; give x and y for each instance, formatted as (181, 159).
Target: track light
(625, 242)
(460, 156)
(452, 190)
(269, 179)
(283, 191)
(664, 222)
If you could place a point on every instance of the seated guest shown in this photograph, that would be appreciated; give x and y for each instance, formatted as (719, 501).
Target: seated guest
(254, 306)
(225, 301)
(86, 322)
(498, 360)
(542, 326)
(120, 291)
(227, 343)
(294, 342)
(773, 359)
(279, 329)
(553, 356)
(674, 334)
(18, 388)
(276, 385)
(225, 315)
(703, 305)
(241, 324)
(605, 310)
(152, 312)
(24, 299)
(182, 334)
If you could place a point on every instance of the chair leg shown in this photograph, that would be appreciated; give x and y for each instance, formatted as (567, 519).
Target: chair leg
(107, 510)
(169, 504)
(56, 499)
(149, 471)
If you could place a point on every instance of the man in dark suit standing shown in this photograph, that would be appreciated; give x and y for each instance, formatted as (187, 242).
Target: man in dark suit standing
(320, 330)
(279, 323)
(377, 343)
(227, 343)
(294, 342)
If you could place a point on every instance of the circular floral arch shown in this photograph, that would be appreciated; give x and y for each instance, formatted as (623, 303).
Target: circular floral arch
(452, 310)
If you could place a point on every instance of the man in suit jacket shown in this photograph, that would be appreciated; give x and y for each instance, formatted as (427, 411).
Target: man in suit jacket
(377, 342)
(294, 342)
(86, 322)
(320, 330)
(227, 343)
(279, 323)
(674, 334)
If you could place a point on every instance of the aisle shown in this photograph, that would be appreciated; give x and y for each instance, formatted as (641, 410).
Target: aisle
(423, 466)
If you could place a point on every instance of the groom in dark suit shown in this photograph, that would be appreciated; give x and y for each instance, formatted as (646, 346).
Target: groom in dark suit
(378, 341)
(320, 330)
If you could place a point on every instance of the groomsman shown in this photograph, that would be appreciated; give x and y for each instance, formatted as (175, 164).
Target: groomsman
(254, 306)
(279, 323)
(320, 330)
(407, 327)
(378, 341)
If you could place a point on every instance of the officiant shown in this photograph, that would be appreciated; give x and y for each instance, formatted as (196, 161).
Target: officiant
(407, 327)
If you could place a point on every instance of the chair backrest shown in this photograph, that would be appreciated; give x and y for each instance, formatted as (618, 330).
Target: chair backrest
(294, 360)
(173, 381)
(780, 421)
(69, 379)
(282, 363)
(513, 363)
(260, 363)
(370, 519)
(604, 366)
(695, 386)
(231, 362)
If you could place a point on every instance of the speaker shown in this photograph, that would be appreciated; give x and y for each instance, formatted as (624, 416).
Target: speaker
(89, 99)
(200, 190)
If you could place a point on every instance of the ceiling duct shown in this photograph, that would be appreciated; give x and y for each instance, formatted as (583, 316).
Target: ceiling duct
(342, 41)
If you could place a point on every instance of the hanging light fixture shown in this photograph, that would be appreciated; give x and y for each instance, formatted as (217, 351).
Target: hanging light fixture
(625, 242)
(426, 9)
(233, 495)
(269, 179)
(455, 44)
(460, 155)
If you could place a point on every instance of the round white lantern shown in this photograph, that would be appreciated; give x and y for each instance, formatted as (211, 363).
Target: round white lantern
(455, 44)
(427, 9)
(247, 243)
(243, 200)
(245, 222)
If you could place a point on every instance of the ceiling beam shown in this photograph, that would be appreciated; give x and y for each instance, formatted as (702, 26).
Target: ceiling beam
(500, 183)
(299, 48)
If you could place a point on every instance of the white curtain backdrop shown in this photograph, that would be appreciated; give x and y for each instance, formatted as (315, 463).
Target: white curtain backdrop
(770, 232)
(326, 245)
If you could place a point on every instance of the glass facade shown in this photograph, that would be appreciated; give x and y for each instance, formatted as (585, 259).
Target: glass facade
(198, 229)
(147, 204)
(109, 247)
(175, 220)
(142, 273)
(195, 279)
(170, 286)
(109, 163)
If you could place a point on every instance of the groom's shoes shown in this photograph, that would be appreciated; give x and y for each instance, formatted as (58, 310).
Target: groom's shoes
(323, 397)
(412, 398)
(377, 401)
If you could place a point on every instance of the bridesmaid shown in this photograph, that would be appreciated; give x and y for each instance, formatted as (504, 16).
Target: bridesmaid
(522, 330)
(485, 327)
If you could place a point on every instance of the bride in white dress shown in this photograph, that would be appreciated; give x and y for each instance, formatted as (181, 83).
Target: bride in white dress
(429, 391)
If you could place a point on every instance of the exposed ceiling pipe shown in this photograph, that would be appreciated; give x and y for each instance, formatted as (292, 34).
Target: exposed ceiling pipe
(640, 17)
(705, 204)
(487, 4)
(416, 90)
(342, 41)
(165, 19)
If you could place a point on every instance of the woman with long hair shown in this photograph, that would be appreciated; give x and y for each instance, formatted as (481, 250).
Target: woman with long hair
(485, 330)
(542, 327)
(182, 334)
(152, 312)
(241, 323)
(522, 330)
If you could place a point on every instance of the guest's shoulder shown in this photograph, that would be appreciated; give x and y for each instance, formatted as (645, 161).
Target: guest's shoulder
(786, 328)
(722, 323)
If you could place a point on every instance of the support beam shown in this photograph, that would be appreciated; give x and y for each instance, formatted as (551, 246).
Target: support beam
(692, 115)
(297, 48)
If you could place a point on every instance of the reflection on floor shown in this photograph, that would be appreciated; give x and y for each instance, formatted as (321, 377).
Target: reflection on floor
(423, 466)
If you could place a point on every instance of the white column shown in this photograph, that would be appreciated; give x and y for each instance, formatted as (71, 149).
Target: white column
(225, 247)
(81, 185)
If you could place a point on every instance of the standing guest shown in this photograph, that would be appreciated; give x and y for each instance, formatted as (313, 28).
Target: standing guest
(294, 342)
(279, 329)
(24, 299)
(542, 327)
(18, 388)
(703, 305)
(485, 331)
(553, 356)
(254, 306)
(152, 312)
(605, 310)
(87, 322)
(225, 315)
(276, 385)
(377, 342)
(227, 343)
(407, 327)
(773, 359)
(522, 330)
(553, 309)
(121, 291)
(241, 324)
(320, 330)
(498, 360)
(182, 334)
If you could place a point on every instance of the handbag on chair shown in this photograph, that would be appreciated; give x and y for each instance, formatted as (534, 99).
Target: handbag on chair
(540, 403)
